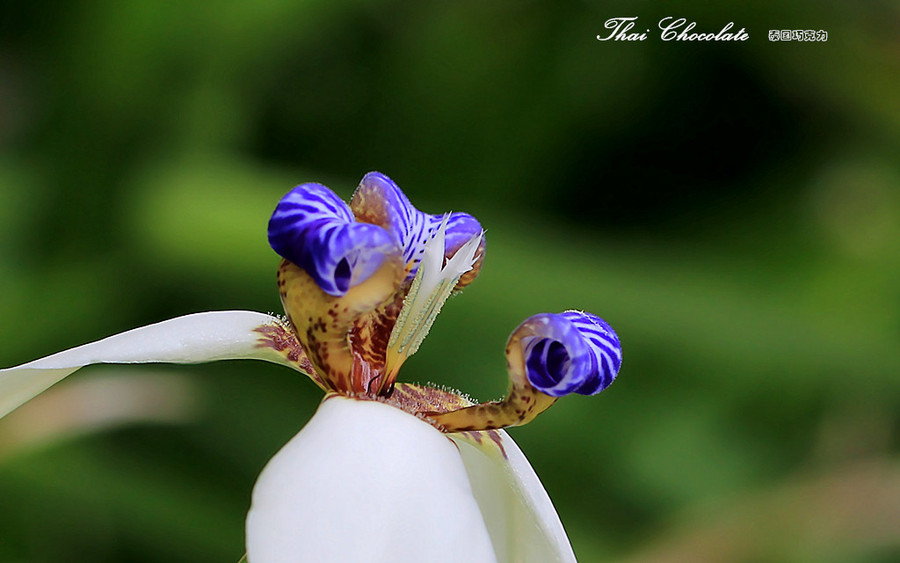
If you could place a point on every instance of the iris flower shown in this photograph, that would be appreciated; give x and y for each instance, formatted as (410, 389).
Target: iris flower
(384, 470)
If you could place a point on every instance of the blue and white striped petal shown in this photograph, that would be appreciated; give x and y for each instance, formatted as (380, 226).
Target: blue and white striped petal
(571, 352)
(314, 229)
(378, 200)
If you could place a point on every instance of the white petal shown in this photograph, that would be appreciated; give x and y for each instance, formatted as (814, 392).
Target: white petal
(523, 524)
(201, 337)
(94, 403)
(364, 481)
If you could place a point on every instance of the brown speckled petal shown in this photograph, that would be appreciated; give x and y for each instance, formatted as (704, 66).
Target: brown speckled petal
(522, 404)
(329, 328)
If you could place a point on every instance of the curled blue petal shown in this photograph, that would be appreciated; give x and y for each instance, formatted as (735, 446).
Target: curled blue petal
(570, 352)
(314, 229)
(380, 201)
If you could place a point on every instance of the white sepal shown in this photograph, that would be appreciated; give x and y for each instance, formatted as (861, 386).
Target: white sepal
(98, 402)
(521, 519)
(364, 482)
(201, 337)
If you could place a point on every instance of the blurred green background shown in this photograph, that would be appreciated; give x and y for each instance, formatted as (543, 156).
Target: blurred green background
(731, 209)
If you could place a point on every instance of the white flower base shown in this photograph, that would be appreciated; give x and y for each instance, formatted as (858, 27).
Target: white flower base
(364, 481)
